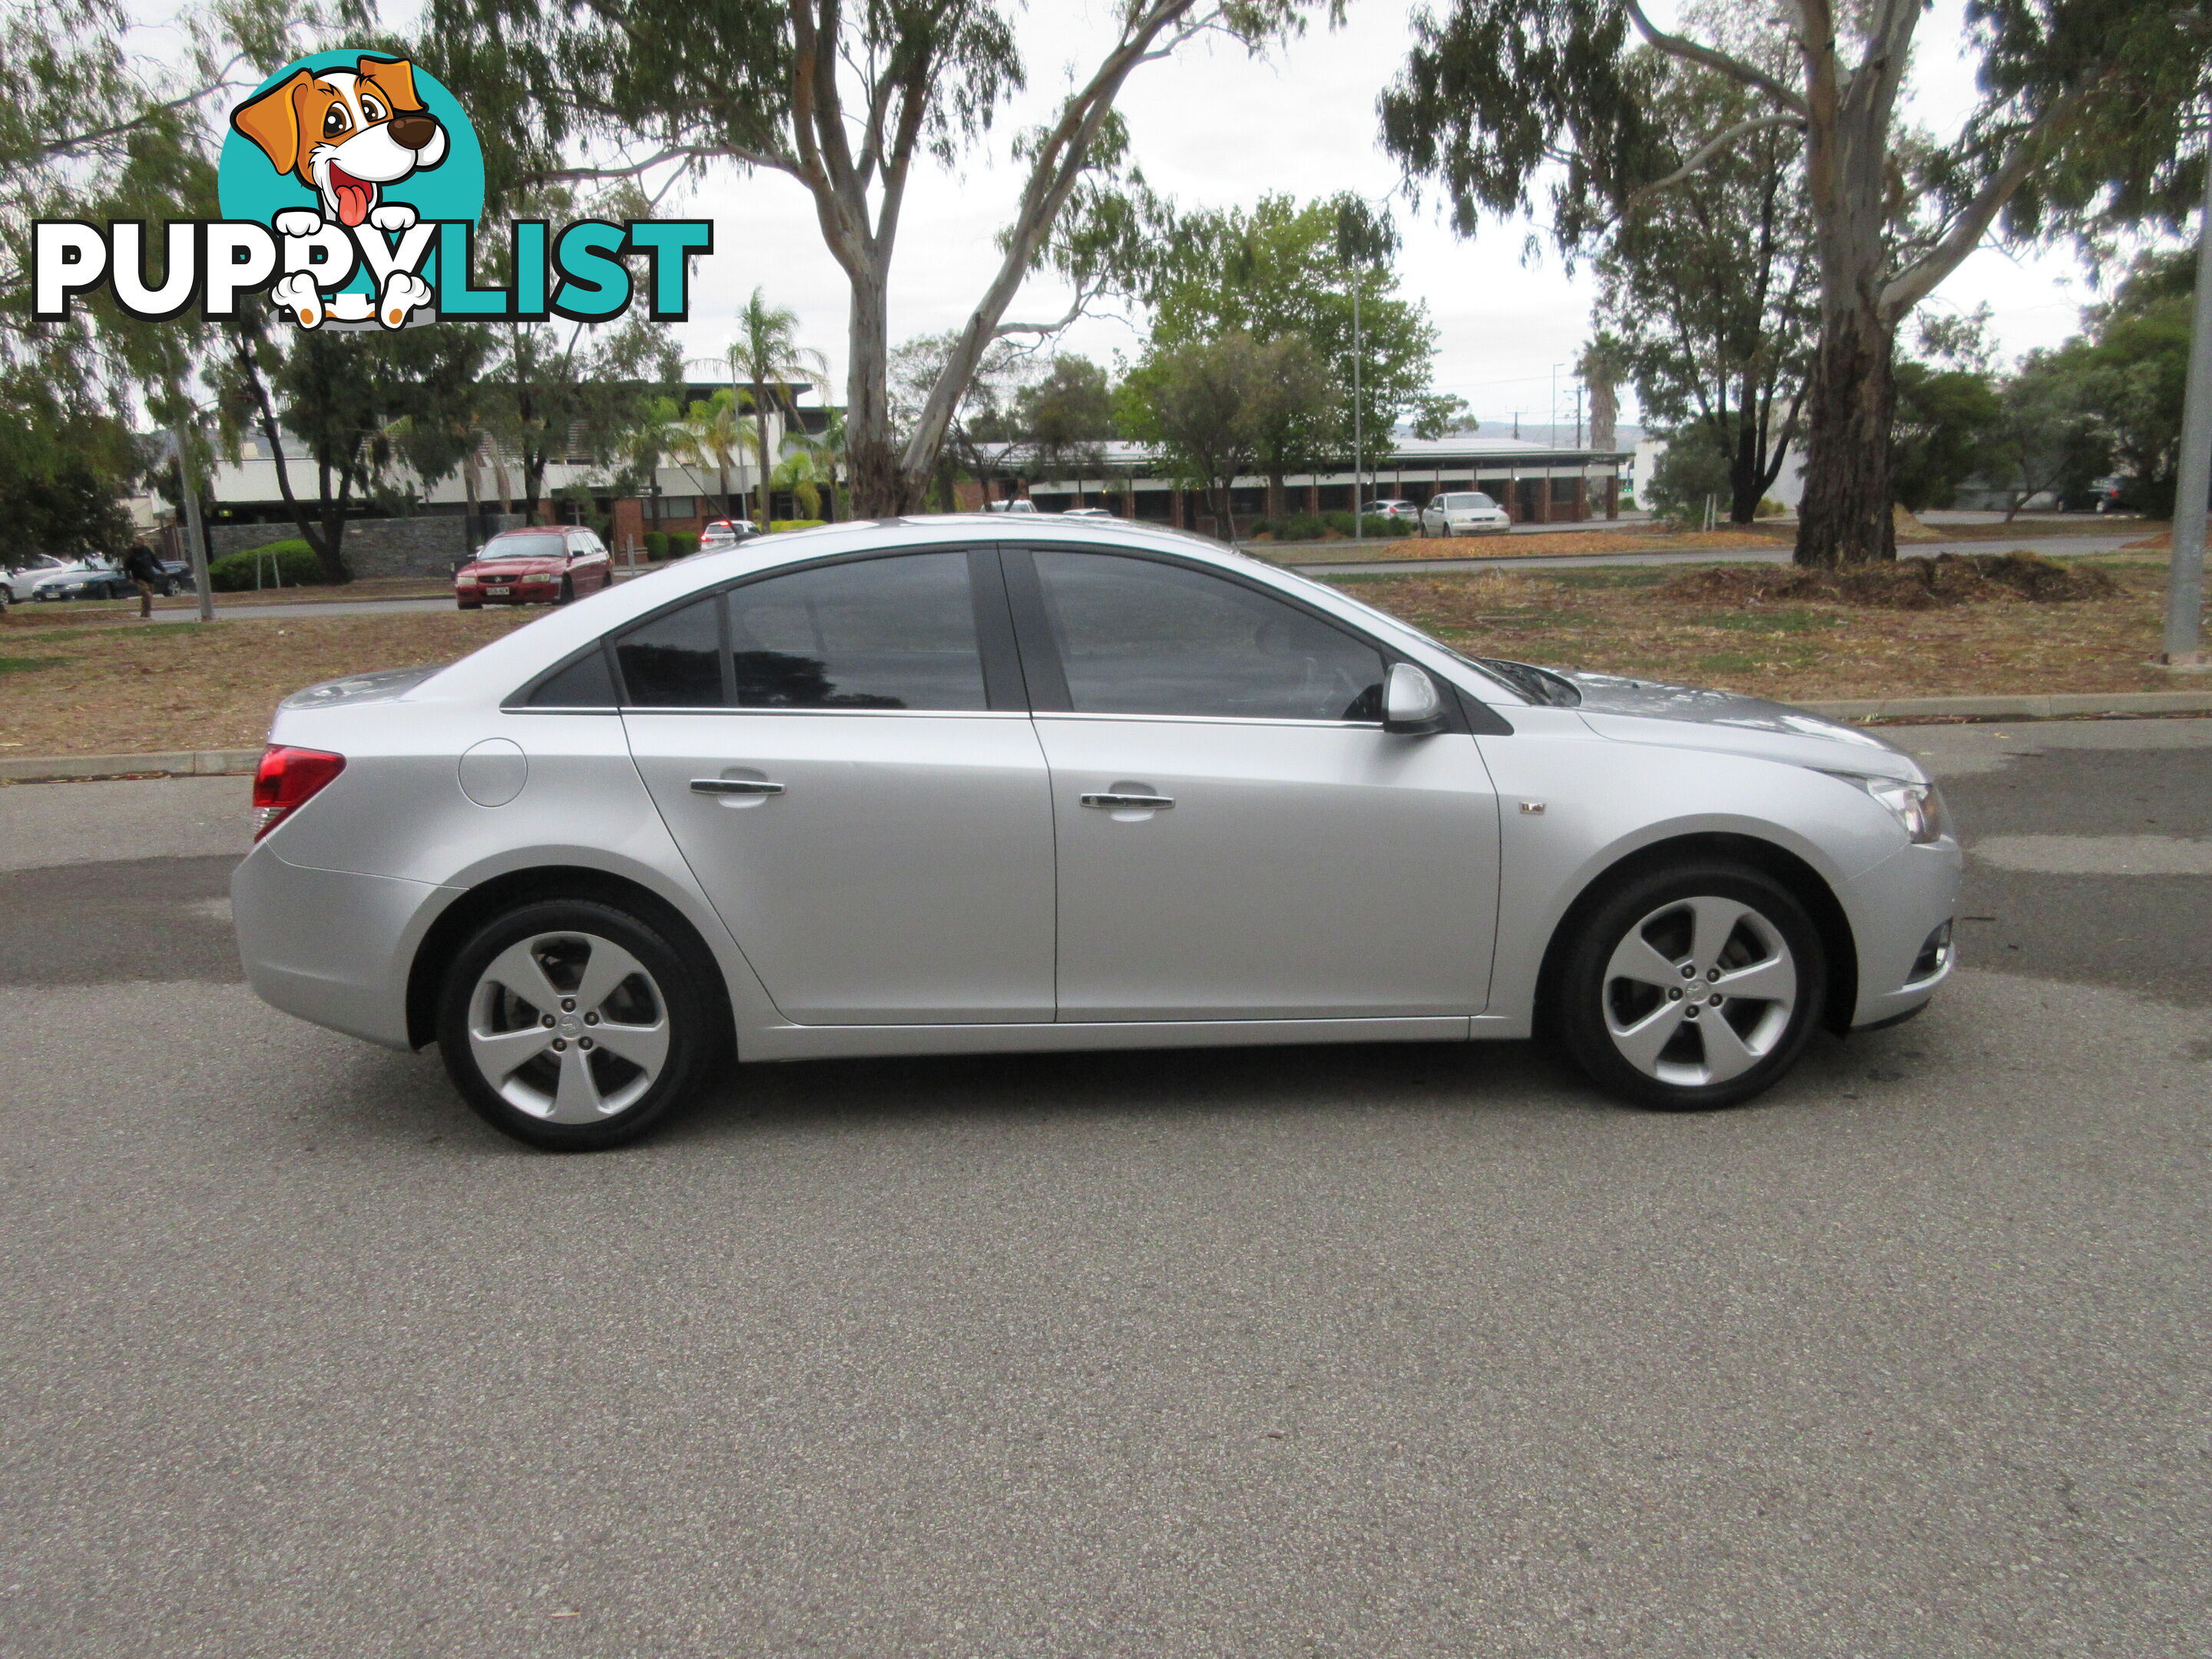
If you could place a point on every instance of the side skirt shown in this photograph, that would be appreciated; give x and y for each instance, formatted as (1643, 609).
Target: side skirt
(834, 1042)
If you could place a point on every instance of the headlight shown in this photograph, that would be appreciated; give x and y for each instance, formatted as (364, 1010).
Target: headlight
(1918, 808)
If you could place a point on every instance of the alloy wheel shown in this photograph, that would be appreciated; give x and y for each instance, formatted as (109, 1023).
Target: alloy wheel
(1699, 991)
(568, 1027)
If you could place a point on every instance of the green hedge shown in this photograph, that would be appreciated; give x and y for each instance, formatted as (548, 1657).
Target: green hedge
(656, 545)
(296, 565)
(774, 524)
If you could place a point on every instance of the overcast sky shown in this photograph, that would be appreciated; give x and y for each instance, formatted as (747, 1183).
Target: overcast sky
(1213, 127)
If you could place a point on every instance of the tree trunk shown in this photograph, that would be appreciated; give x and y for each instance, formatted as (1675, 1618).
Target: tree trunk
(760, 443)
(881, 489)
(501, 483)
(472, 491)
(1747, 478)
(1276, 496)
(1845, 516)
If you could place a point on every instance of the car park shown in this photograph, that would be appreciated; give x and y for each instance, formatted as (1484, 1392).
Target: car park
(1464, 512)
(551, 565)
(943, 785)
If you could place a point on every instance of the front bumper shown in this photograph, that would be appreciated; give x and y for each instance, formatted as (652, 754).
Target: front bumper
(1894, 908)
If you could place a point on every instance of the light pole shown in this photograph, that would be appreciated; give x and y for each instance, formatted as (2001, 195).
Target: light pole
(1358, 414)
(2184, 640)
(195, 537)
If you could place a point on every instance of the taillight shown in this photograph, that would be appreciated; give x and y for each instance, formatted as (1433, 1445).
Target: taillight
(289, 778)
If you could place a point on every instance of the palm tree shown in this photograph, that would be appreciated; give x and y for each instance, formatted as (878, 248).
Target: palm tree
(768, 359)
(800, 473)
(714, 434)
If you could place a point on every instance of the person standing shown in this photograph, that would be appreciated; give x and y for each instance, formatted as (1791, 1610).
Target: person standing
(144, 570)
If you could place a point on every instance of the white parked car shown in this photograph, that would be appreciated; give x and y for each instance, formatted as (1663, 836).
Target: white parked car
(933, 787)
(1023, 506)
(1086, 512)
(21, 581)
(1406, 511)
(1464, 512)
(720, 533)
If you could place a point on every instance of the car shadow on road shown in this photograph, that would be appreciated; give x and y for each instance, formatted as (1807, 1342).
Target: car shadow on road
(1009, 1091)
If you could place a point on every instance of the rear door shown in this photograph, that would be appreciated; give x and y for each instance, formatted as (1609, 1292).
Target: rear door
(1238, 837)
(843, 754)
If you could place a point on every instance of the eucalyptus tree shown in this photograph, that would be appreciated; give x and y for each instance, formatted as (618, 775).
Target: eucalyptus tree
(1280, 269)
(98, 120)
(1216, 409)
(845, 102)
(2091, 109)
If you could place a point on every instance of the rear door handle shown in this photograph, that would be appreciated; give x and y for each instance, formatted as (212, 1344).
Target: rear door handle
(735, 787)
(1125, 803)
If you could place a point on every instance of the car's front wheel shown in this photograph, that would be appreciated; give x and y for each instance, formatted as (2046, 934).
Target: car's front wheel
(1690, 989)
(575, 1025)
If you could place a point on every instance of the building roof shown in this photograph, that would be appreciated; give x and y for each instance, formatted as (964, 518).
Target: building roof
(1458, 449)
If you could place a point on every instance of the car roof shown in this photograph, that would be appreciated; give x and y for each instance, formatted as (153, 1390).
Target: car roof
(496, 668)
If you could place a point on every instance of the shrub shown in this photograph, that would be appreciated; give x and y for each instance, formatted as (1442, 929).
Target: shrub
(774, 524)
(296, 567)
(1768, 507)
(656, 545)
(1302, 528)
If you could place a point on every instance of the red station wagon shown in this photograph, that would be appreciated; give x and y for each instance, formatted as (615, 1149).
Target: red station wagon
(548, 566)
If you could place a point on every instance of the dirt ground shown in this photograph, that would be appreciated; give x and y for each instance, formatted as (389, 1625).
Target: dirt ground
(105, 685)
(1630, 622)
(1638, 540)
(110, 686)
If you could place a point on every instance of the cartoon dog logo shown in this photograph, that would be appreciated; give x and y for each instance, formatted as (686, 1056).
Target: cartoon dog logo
(346, 134)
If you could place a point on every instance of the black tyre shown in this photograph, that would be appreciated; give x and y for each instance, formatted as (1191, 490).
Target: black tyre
(567, 591)
(1688, 989)
(576, 1025)
(468, 604)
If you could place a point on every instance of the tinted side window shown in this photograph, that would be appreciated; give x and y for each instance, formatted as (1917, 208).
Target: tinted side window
(893, 633)
(1139, 637)
(584, 683)
(674, 661)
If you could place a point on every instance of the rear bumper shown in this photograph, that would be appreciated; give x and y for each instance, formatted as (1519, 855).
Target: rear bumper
(329, 947)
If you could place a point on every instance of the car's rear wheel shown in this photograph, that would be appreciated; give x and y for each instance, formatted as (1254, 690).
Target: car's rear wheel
(1689, 989)
(567, 591)
(575, 1025)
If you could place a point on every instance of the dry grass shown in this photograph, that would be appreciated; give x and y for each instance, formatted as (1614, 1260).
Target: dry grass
(1661, 624)
(1553, 543)
(104, 687)
(107, 686)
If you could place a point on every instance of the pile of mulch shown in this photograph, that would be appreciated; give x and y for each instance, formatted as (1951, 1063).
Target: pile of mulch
(1948, 578)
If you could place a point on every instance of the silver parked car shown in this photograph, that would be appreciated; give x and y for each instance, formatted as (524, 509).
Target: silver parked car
(957, 784)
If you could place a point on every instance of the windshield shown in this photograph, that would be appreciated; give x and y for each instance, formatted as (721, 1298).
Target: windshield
(525, 547)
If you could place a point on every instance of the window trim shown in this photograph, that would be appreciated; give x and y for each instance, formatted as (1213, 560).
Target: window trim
(994, 635)
(1047, 677)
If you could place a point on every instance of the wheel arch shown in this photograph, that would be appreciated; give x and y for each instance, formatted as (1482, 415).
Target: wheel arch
(1804, 883)
(503, 892)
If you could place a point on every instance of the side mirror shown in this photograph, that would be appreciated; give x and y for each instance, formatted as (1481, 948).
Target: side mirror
(1412, 705)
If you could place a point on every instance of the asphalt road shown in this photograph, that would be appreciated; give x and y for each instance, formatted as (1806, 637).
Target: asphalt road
(1400, 1351)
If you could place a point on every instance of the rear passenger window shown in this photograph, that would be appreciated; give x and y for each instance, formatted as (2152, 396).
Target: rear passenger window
(892, 633)
(675, 661)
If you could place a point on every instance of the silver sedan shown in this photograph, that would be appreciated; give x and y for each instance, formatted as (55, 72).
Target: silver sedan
(962, 784)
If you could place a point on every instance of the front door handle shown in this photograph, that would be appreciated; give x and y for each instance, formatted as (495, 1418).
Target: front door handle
(735, 787)
(1127, 803)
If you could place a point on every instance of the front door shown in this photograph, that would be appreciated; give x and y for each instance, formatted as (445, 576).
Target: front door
(856, 788)
(1238, 837)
